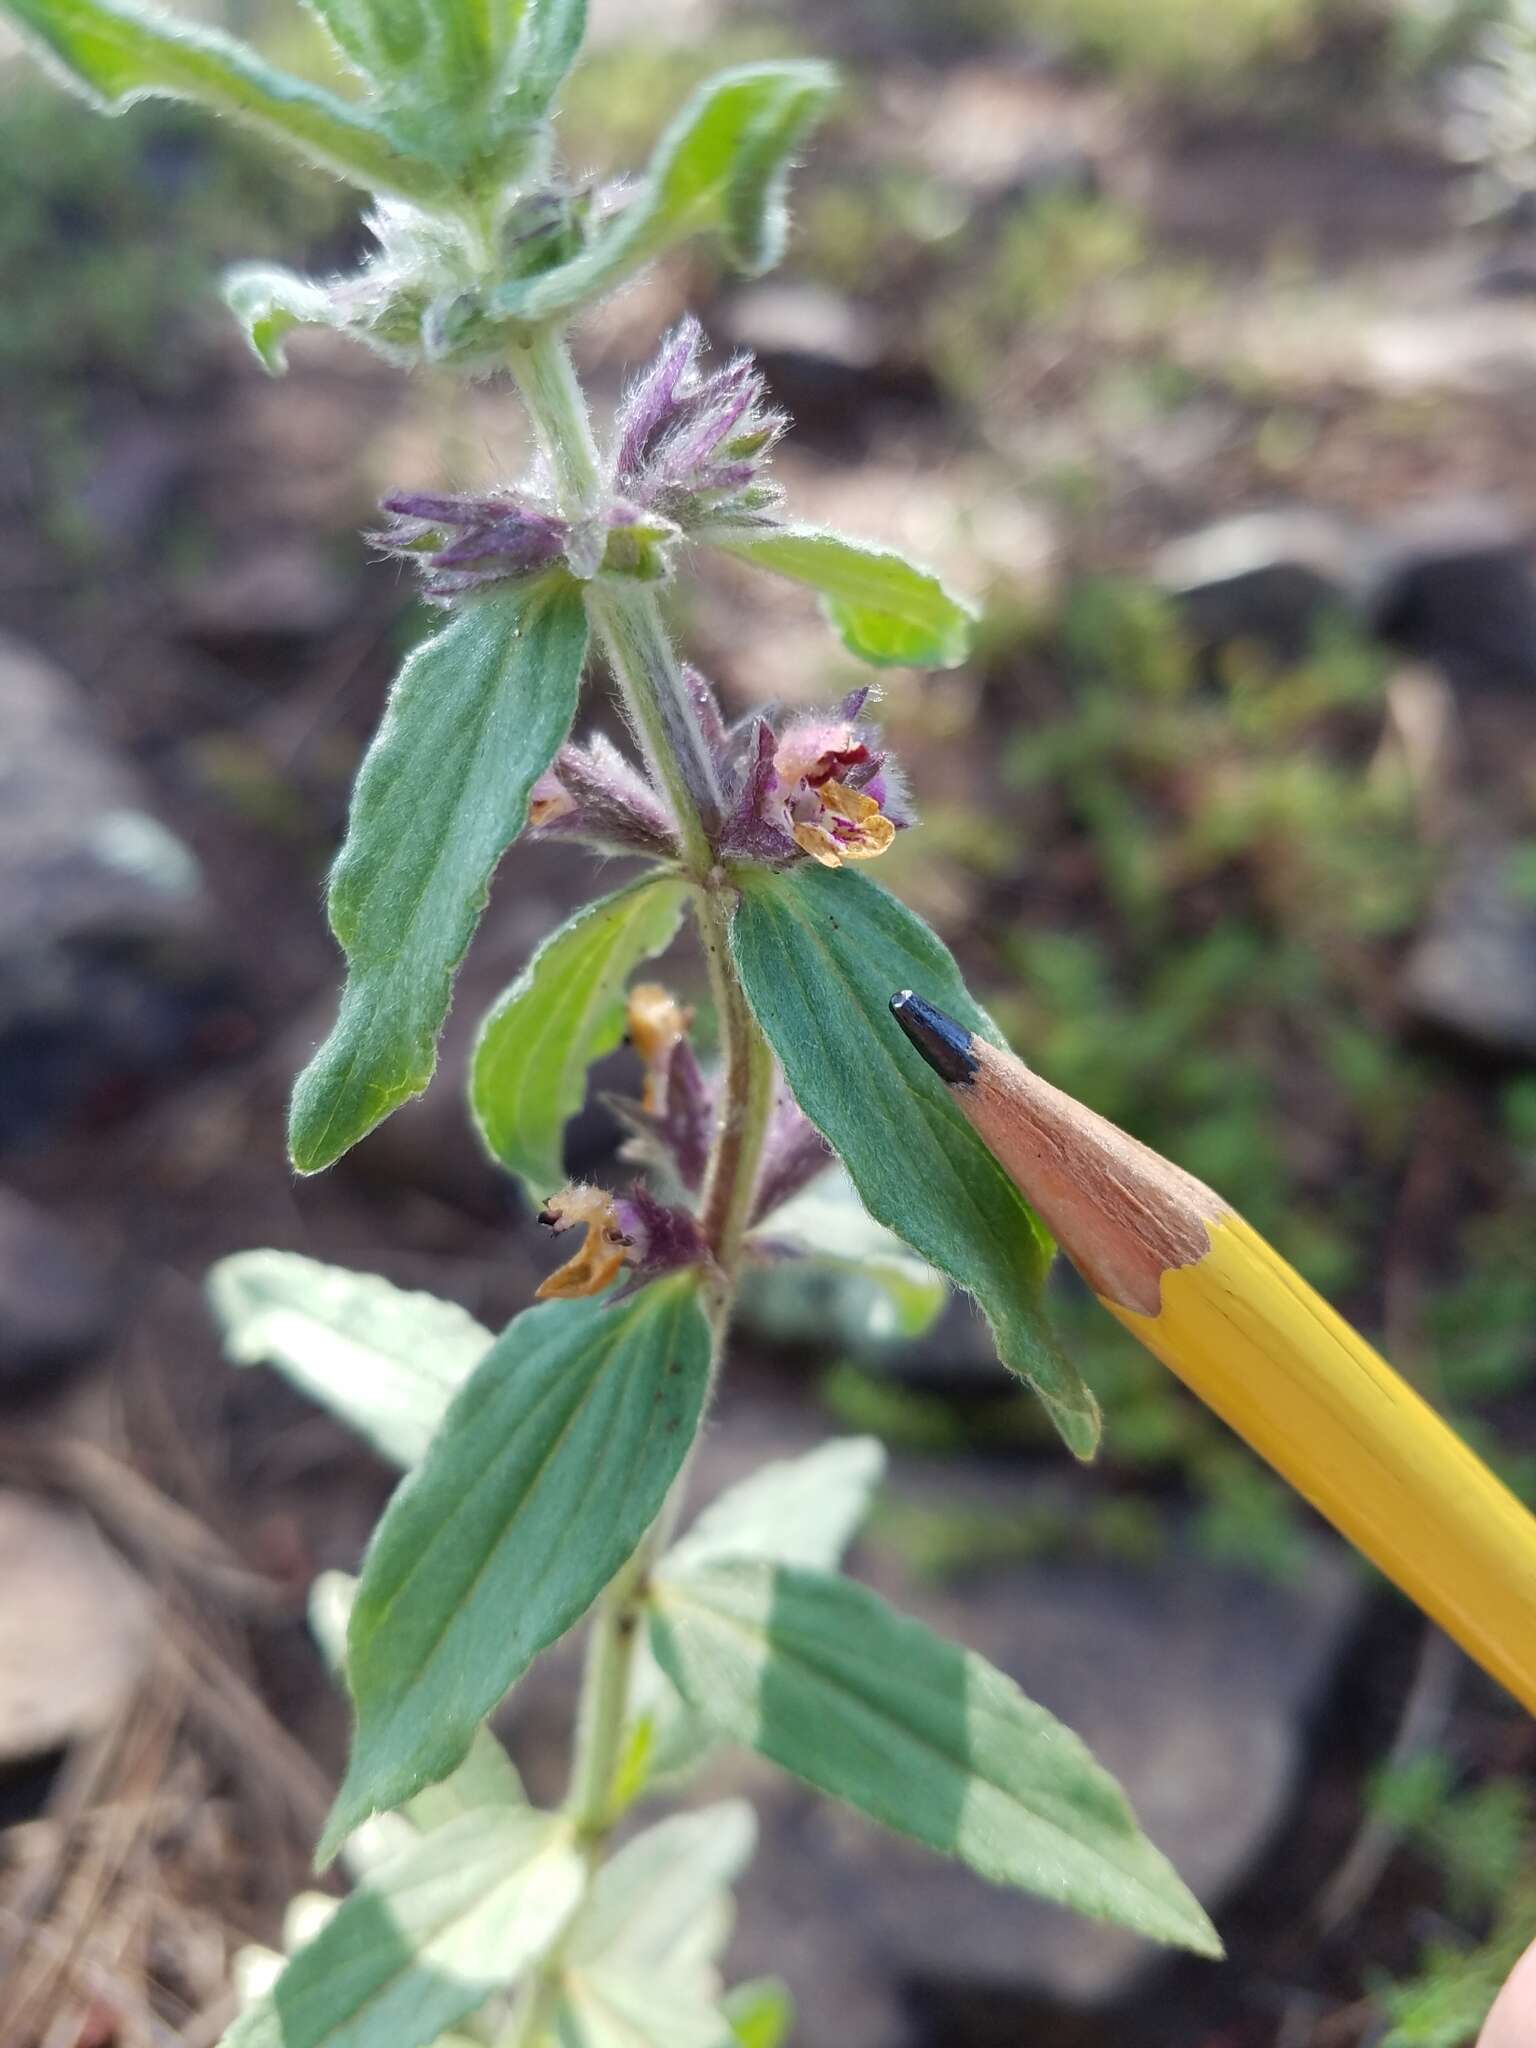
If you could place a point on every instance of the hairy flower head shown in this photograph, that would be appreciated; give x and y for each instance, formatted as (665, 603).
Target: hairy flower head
(694, 444)
(821, 785)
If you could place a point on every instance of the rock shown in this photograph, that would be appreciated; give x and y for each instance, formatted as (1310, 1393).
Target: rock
(103, 931)
(1192, 1685)
(1472, 974)
(1468, 347)
(1454, 585)
(55, 1297)
(1274, 578)
(76, 1628)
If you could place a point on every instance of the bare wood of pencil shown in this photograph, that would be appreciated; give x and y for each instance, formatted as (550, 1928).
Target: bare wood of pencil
(1207, 1295)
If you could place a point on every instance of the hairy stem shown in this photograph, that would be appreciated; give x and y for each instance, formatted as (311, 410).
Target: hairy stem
(627, 616)
(660, 711)
(746, 1096)
(557, 410)
(605, 1696)
(662, 714)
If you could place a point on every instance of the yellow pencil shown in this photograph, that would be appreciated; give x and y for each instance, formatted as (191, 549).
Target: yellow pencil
(1204, 1293)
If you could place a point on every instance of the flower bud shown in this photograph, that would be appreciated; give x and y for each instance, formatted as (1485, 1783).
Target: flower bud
(461, 543)
(695, 446)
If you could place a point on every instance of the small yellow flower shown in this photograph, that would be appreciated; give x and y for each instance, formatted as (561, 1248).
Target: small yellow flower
(859, 830)
(600, 1258)
(657, 1023)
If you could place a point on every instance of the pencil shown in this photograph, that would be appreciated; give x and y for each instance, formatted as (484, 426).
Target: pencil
(1203, 1292)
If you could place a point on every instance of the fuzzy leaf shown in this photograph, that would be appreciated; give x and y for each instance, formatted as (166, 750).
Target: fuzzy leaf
(435, 1930)
(549, 37)
(823, 1678)
(486, 1777)
(116, 54)
(887, 609)
(720, 168)
(548, 1469)
(820, 952)
(615, 2008)
(475, 717)
(802, 1511)
(386, 1361)
(528, 1077)
(416, 52)
(648, 1901)
(270, 302)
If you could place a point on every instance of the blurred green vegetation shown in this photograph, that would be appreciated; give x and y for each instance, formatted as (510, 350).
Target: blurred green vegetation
(113, 235)
(1187, 44)
(1480, 1840)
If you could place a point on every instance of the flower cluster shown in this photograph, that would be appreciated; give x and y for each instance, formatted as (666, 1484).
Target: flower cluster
(693, 446)
(671, 1128)
(819, 784)
(594, 794)
(690, 449)
(461, 543)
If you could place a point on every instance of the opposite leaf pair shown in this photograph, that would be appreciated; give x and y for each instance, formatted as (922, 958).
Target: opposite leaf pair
(759, 1641)
(460, 1894)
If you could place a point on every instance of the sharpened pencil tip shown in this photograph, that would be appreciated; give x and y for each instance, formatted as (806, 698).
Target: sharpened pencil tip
(943, 1043)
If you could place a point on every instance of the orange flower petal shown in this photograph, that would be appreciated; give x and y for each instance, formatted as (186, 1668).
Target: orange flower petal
(818, 842)
(657, 1022)
(599, 1259)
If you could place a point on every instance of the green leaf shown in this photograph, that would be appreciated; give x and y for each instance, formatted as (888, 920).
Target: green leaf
(802, 1511)
(446, 1922)
(386, 1361)
(648, 1902)
(887, 610)
(270, 302)
(721, 167)
(820, 952)
(549, 1467)
(761, 2013)
(428, 54)
(116, 55)
(895, 1294)
(612, 2008)
(486, 1777)
(475, 717)
(549, 37)
(819, 1675)
(528, 1077)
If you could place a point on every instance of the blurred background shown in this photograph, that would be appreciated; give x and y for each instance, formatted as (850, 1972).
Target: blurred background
(1198, 339)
